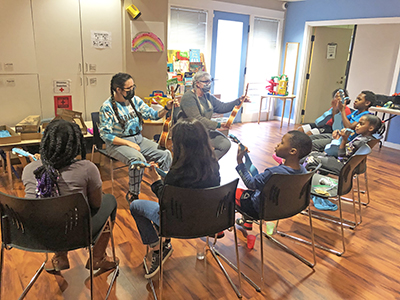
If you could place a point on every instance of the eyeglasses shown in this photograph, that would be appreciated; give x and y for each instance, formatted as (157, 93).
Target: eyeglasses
(133, 87)
(207, 81)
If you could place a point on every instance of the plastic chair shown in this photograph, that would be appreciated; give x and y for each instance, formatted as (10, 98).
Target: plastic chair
(284, 196)
(344, 186)
(98, 147)
(192, 213)
(49, 225)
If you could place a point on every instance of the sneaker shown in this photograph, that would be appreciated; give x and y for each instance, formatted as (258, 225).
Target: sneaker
(155, 260)
(220, 235)
(130, 197)
(246, 224)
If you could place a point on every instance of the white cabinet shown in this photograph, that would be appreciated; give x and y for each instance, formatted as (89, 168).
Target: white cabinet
(52, 41)
(101, 16)
(17, 47)
(19, 98)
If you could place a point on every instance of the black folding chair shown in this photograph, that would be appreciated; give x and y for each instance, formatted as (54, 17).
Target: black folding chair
(192, 213)
(284, 196)
(49, 225)
(98, 147)
(344, 186)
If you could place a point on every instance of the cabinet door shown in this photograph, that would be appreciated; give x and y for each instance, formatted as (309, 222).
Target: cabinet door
(59, 51)
(97, 90)
(101, 17)
(17, 48)
(19, 98)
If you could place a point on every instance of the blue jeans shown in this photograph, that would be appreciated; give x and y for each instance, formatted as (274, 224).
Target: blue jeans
(146, 215)
(149, 151)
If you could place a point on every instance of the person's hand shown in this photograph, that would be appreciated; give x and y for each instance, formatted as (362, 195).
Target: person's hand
(224, 126)
(244, 99)
(335, 102)
(36, 156)
(153, 172)
(341, 106)
(176, 103)
(345, 133)
(336, 134)
(133, 145)
(169, 104)
(242, 150)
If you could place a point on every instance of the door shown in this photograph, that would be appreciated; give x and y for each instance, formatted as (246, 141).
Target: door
(328, 69)
(228, 56)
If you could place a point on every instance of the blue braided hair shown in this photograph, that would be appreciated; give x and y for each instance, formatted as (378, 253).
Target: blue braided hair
(62, 141)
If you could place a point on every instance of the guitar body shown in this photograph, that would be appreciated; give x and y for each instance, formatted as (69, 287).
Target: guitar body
(165, 136)
(165, 132)
(235, 110)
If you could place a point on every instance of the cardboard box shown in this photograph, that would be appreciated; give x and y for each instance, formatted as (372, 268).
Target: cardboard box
(31, 136)
(72, 116)
(29, 124)
(14, 138)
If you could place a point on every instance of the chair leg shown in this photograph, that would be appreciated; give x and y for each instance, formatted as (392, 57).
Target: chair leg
(290, 251)
(91, 157)
(262, 249)
(112, 175)
(34, 278)
(91, 270)
(116, 271)
(1, 265)
(161, 269)
(214, 253)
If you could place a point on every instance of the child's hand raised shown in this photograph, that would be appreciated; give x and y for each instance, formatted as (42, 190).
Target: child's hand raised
(242, 150)
(153, 173)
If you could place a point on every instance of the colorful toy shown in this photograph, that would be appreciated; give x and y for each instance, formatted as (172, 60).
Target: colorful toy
(272, 83)
(157, 97)
(283, 83)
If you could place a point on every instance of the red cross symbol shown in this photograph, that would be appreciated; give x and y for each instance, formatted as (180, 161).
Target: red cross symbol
(61, 90)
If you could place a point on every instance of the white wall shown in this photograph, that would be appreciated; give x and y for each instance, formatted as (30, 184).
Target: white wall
(374, 58)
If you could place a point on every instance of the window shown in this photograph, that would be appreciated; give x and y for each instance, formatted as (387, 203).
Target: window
(187, 29)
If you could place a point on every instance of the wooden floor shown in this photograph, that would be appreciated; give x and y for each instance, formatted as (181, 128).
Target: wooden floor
(369, 269)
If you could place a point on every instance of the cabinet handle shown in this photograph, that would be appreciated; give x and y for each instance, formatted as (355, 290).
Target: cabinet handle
(87, 81)
(86, 65)
(81, 81)
(80, 67)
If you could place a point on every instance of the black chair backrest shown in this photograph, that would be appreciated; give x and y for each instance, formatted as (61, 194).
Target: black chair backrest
(285, 195)
(349, 169)
(362, 167)
(190, 213)
(97, 140)
(47, 224)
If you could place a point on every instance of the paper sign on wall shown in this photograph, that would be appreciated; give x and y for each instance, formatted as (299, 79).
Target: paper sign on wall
(61, 86)
(62, 102)
(331, 51)
(101, 39)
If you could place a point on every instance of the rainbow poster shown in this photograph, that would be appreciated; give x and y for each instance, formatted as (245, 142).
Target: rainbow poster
(147, 36)
(147, 42)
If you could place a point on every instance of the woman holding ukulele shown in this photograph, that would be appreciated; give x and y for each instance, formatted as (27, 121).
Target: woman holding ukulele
(199, 104)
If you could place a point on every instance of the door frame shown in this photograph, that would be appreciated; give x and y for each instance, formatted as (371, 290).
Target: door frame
(305, 50)
(222, 15)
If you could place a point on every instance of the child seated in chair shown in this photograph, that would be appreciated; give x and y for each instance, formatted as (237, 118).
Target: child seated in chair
(332, 159)
(294, 146)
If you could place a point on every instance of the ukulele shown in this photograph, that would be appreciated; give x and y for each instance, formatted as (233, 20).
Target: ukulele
(22, 152)
(166, 137)
(235, 110)
(248, 163)
(143, 164)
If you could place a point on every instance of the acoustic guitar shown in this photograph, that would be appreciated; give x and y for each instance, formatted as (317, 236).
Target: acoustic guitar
(166, 137)
(235, 110)
(248, 163)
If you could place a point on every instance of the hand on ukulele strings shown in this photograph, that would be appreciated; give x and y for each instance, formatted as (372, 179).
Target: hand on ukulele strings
(153, 172)
(336, 134)
(223, 127)
(242, 150)
(36, 156)
(169, 104)
(345, 133)
(132, 145)
(245, 99)
(341, 107)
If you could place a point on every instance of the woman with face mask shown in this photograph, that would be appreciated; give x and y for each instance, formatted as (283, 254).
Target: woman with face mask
(121, 121)
(199, 104)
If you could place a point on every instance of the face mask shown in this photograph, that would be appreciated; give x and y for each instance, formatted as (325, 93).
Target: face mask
(129, 95)
(206, 88)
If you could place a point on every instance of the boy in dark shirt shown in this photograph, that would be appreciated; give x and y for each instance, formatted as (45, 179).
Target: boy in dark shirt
(294, 146)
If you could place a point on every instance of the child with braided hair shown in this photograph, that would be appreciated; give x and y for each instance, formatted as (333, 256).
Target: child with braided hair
(58, 172)
(121, 120)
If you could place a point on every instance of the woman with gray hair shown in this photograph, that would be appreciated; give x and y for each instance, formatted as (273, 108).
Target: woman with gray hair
(199, 104)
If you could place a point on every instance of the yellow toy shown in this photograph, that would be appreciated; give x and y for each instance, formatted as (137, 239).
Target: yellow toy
(283, 83)
(133, 11)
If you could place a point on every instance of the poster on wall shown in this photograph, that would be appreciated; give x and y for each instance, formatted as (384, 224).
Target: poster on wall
(147, 36)
(100, 39)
